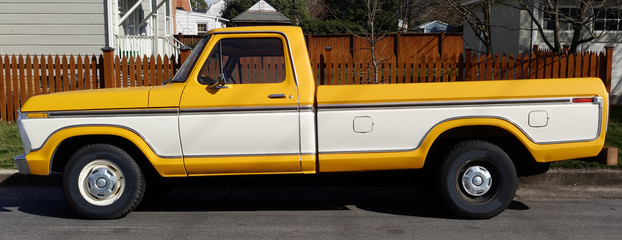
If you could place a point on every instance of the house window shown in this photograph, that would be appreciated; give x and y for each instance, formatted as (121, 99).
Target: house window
(608, 19)
(201, 28)
(564, 22)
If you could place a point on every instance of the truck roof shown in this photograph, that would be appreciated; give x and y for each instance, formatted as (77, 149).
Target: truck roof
(283, 29)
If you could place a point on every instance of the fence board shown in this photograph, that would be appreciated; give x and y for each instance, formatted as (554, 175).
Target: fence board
(2, 87)
(11, 95)
(22, 82)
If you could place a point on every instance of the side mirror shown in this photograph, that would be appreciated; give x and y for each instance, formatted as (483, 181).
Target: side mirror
(207, 81)
(213, 83)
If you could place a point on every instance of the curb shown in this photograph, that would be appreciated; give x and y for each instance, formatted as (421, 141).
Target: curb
(594, 177)
(6, 173)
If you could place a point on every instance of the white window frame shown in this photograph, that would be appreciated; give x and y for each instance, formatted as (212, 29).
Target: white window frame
(198, 27)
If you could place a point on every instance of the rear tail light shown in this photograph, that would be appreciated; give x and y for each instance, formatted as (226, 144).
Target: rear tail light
(582, 100)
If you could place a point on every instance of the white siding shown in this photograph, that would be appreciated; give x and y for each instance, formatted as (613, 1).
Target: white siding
(512, 33)
(52, 27)
(187, 22)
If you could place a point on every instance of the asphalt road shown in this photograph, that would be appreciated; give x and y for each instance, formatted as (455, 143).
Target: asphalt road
(372, 206)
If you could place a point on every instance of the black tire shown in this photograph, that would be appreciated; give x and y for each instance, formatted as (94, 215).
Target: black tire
(464, 175)
(102, 181)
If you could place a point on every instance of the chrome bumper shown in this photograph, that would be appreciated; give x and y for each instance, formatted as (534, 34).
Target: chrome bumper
(22, 164)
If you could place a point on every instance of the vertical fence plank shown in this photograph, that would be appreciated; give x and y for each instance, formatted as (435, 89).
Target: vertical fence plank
(563, 66)
(80, 78)
(167, 70)
(45, 73)
(159, 71)
(65, 76)
(93, 80)
(484, 72)
(87, 72)
(555, 66)
(593, 69)
(571, 64)
(503, 67)
(11, 94)
(58, 84)
(152, 71)
(144, 80)
(29, 89)
(132, 71)
(73, 76)
(2, 87)
(585, 64)
(36, 75)
(116, 81)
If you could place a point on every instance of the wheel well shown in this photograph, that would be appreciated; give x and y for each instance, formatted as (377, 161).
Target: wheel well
(69, 146)
(521, 157)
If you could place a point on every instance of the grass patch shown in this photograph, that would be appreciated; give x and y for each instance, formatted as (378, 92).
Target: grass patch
(10, 145)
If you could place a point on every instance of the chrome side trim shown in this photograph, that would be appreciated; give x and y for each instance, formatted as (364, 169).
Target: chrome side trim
(238, 109)
(143, 112)
(447, 103)
(104, 125)
(247, 155)
(112, 113)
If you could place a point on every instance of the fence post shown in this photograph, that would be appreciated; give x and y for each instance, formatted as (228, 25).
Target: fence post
(535, 49)
(468, 64)
(184, 53)
(608, 67)
(108, 72)
(322, 68)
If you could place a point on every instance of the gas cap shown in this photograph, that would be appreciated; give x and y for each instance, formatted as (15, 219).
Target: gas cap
(363, 124)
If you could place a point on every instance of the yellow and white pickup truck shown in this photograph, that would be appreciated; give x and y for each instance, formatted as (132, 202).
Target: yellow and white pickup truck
(245, 102)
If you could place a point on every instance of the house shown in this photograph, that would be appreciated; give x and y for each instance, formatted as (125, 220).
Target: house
(261, 13)
(513, 31)
(432, 27)
(189, 22)
(132, 27)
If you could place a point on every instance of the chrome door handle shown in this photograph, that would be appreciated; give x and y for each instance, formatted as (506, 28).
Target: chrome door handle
(279, 95)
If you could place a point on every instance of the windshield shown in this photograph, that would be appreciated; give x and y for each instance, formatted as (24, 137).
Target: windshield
(184, 70)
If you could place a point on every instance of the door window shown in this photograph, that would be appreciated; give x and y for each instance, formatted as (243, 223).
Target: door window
(246, 61)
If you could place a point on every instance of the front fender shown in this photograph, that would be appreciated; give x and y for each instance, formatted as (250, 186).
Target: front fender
(40, 160)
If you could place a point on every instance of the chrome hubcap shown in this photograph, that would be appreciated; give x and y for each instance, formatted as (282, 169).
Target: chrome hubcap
(101, 182)
(476, 181)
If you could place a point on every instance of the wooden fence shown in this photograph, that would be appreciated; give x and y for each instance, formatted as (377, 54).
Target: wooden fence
(24, 76)
(396, 45)
(468, 67)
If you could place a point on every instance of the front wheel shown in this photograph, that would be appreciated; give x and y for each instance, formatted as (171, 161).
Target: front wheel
(478, 179)
(102, 181)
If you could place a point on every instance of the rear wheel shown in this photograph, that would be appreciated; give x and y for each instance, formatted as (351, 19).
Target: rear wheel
(102, 181)
(478, 179)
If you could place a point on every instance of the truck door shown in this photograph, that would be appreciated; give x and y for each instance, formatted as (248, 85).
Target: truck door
(239, 111)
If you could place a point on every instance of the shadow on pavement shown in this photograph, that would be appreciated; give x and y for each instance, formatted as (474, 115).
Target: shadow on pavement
(386, 192)
(37, 195)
